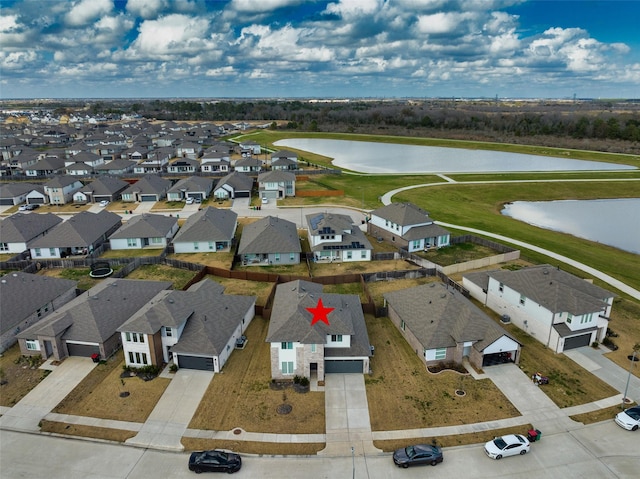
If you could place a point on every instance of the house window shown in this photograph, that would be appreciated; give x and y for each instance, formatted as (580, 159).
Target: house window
(313, 348)
(522, 299)
(287, 367)
(157, 240)
(52, 251)
(38, 252)
(131, 242)
(4, 247)
(363, 254)
(211, 245)
(441, 353)
(292, 256)
(349, 254)
(285, 345)
(168, 332)
(32, 345)
(276, 256)
(415, 244)
(586, 318)
(336, 338)
(501, 287)
(196, 245)
(127, 337)
(402, 325)
(569, 318)
(138, 358)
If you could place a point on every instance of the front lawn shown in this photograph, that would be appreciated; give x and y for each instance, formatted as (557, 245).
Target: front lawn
(241, 397)
(99, 394)
(403, 395)
(18, 375)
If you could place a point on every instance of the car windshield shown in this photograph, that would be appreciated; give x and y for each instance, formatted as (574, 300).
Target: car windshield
(633, 413)
(410, 451)
(499, 442)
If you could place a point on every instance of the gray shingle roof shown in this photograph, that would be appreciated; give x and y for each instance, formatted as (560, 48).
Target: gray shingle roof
(21, 294)
(61, 181)
(209, 224)
(403, 214)
(19, 228)
(277, 176)
(145, 226)
(556, 290)
(426, 231)
(95, 315)
(105, 185)
(11, 190)
(237, 180)
(440, 317)
(80, 230)
(150, 184)
(270, 235)
(290, 320)
(193, 183)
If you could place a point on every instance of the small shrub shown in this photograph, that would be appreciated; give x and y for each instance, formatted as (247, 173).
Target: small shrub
(173, 368)
(303, 381)
(594, 344)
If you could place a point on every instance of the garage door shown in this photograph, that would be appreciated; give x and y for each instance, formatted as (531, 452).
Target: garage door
(242, 194)
(85, 350)
(195, 362)
(343, 366)
(195, 196)
(6, 201)
(35, 201)
(577, 341)
(148, 198)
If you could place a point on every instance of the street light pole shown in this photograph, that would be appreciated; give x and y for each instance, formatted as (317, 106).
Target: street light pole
(633, 360)
(353, 462)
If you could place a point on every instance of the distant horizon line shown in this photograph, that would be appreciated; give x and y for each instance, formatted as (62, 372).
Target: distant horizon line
(322, 98)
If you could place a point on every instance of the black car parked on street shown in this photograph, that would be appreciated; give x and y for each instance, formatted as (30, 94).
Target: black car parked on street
(214, 461)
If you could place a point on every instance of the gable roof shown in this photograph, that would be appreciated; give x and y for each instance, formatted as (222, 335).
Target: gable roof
(80, 230)
(403, 214)
(61, 182)
(291, 321)
(20, 228)
(270, 235)
(440, 317)
(193, 183)
(117, 164)
(148, 185)
(95, 315)
(276, 176)
(208, 224)
(553, 288)
(146, 225)
(18, 291)
(237, 180)
(105, 185)
(11, 190)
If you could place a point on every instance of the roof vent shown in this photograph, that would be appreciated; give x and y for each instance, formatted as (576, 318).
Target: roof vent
(170, 300)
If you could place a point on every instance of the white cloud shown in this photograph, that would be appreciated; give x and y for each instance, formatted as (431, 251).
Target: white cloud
(261, 6)
(86, 11)
(147, 9)
(17, 60)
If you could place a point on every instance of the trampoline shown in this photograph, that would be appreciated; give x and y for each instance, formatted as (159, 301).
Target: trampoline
(100, 269)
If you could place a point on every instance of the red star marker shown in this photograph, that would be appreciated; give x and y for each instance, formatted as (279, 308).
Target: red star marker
(320, 313)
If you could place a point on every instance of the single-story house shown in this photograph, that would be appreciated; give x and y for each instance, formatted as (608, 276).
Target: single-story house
(147, 188)
(19, 230)
(104, 188)
(49, 165)
(312, 332)
(284, 160)
(334, 237)
(184, 165)
(210, 230)
(408, 226)
(234, 185)
(197, 328)
(560, 310)
(28, 298)
(442, 326)
(197, 187)
(15, 193)
(118, 166)
(144, 231)
(269, 240)
(79, 235)
(88, 324)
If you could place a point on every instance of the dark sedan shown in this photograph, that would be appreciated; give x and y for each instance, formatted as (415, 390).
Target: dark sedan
(418, 454)
(214, 461)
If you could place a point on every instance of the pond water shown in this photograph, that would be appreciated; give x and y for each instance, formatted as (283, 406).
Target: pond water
(614, 222)
(371, 157)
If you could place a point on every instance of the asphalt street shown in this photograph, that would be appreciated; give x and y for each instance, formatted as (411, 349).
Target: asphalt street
(597, 451)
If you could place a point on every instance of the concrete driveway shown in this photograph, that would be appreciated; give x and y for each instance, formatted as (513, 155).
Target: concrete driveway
(41, 400)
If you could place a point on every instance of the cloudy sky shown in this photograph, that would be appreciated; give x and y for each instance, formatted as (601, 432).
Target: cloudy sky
(340, 48)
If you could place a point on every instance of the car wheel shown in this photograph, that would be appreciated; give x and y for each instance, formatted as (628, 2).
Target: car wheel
(405, 466)
(197, 470)
(523, 452)
(634, 428)
(434, 462)
(498, 457)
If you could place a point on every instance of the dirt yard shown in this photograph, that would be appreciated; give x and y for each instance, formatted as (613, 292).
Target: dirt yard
(18, 375)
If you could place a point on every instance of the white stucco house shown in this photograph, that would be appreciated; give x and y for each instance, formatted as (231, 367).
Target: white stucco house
(334, 237)
(559, 309)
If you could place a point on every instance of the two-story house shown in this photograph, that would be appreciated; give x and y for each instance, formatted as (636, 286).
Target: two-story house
(334, 237)
(276, 184)
(60, 189)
